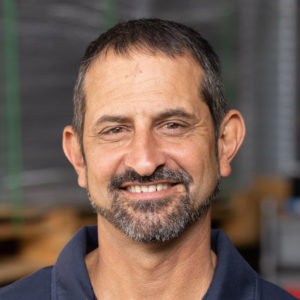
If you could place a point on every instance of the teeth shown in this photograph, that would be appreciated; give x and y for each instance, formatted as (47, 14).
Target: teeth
(148, 188)
(165, 186)
(159, 187)
(152, 188)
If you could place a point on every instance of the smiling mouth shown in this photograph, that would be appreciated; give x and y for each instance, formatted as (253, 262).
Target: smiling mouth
(134, 188)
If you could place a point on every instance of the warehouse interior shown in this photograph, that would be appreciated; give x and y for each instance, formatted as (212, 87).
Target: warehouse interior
(41, 44)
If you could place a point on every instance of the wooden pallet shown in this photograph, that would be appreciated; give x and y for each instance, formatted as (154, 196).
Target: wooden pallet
(38, 241)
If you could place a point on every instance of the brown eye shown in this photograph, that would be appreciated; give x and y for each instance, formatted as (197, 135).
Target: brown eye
(172, 125)
(115, 130)
(115, 133)
(174, 128)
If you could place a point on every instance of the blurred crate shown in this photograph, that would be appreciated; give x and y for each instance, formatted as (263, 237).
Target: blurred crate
(280, 245)
(39, 240)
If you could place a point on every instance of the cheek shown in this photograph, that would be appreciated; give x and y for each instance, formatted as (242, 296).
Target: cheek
(101, 166)
(195, 158)
(199, 160)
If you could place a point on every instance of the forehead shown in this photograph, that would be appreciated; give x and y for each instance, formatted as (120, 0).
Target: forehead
(125, 82)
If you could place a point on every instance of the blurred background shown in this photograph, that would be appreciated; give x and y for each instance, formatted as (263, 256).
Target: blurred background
(41, 43)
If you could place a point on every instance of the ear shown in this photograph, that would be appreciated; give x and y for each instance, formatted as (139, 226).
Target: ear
(231, 135)
(73, 152)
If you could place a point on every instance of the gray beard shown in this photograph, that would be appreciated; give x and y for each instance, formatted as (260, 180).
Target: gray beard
(156, 220)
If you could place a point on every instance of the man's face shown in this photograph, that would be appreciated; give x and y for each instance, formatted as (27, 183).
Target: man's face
(149, 144)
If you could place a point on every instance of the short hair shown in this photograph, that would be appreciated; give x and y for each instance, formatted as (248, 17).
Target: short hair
(154, 36)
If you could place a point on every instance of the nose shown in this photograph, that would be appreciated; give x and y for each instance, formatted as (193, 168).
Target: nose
(144, 154)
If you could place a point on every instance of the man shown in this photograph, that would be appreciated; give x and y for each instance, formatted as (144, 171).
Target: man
(150, 138)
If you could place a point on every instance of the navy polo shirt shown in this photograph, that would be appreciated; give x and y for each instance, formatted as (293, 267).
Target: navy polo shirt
(68, 278)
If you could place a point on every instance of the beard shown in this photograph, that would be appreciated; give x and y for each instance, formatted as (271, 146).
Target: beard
(155, 220)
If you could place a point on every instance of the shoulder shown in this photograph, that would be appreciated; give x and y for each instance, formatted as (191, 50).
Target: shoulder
(269, 290)
(35, 286)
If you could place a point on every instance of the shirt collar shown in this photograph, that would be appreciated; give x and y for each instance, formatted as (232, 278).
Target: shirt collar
(233, 277)
(70, 279)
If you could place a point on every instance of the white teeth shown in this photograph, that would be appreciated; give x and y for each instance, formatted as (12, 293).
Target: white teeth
(159, 187)
(152, 188)
(148, 188)
(144, 189)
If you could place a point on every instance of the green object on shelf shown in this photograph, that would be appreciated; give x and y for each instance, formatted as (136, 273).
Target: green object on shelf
(12, 103)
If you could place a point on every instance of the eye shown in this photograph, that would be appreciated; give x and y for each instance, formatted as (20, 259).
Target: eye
(173, 125)
(114, 130)
(173, 128)
(114, 133)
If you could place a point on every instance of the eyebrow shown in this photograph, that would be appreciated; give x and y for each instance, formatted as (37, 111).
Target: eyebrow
(175, 113)
(112, 119)
(164, 115)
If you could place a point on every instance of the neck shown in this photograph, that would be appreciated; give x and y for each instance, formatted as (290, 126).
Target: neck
(121, 268)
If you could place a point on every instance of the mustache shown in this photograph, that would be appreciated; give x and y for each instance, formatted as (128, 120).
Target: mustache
(160, 173)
